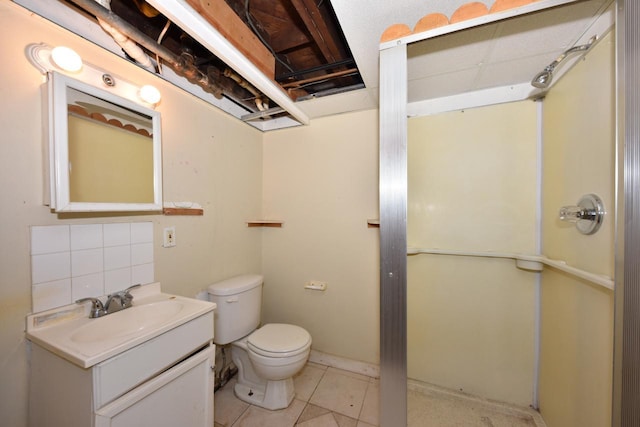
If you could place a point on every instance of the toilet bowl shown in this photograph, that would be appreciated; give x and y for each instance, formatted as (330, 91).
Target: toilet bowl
(266, 368)
(268, 357)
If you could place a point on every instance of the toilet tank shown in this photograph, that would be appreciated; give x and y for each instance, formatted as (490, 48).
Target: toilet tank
(238, 301)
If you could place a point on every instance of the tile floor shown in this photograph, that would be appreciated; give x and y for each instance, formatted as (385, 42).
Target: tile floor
(325, 397)
(330, 397)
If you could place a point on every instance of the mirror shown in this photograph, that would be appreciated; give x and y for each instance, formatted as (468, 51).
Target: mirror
(104, 150)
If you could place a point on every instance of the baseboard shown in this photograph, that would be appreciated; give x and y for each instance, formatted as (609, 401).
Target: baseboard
(343, 363)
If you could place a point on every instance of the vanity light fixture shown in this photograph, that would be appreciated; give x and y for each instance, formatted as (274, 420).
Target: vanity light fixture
(60, 58)
(66, 59)
(149, 94)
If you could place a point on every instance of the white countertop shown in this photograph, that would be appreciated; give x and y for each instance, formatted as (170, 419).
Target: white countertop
(69, 332)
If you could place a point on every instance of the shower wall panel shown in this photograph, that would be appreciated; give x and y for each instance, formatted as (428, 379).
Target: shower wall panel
(472, 187)
(577, 316)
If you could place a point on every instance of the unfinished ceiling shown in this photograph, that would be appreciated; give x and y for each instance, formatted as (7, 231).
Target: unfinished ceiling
(296, 43)
(310, 49)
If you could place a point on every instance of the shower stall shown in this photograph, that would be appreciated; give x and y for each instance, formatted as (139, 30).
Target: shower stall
(484, 288)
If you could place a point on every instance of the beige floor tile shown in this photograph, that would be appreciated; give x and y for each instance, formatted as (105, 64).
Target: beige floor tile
(260, 417)
(326, 420)
(349, 373)
(227, 407)
(312, 411)
(344, 421)
(370, 412)
(306, 381)
(341, 393)
(363, 424)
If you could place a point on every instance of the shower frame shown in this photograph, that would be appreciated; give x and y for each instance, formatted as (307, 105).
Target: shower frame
(393, 215)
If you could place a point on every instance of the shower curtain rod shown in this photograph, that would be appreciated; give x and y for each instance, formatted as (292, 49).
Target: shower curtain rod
(526, 262)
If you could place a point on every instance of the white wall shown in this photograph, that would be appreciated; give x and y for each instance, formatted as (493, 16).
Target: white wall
(322, 181)
(577, 316)
(472, 187)
(208, 157)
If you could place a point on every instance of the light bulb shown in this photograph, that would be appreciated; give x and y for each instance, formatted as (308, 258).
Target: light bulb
(149, 94)
(67, 59)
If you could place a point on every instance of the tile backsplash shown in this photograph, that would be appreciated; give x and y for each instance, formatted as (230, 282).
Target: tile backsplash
(69, 262)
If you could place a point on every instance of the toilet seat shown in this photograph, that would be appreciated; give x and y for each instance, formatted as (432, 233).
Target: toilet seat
(279, 340)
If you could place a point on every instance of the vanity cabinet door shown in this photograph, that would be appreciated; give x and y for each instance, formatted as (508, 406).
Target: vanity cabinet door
(181, 396)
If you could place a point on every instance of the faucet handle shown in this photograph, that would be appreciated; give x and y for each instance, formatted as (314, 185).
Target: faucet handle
(127, 297)
(126, 291)
(97, 308)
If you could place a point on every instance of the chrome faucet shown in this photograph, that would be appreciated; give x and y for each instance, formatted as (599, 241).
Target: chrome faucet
(97, 308)
(115, 302)
(119, 300)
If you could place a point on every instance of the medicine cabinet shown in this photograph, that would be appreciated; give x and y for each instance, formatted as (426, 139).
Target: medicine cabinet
(104, 150)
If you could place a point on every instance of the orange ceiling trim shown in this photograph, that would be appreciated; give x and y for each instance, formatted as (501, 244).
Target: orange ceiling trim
(434, 20)
(431, 21)
(469, 11)
(395, 31)
(501, 5)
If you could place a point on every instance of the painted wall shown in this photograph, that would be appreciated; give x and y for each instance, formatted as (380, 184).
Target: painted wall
(577, 317)
(322, 181)
(472, 186)
(208, 157)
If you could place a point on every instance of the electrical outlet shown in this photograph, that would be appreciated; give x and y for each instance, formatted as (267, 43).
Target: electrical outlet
(169, 237)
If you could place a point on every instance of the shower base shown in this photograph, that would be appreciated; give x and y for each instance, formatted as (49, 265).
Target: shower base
(433, 406)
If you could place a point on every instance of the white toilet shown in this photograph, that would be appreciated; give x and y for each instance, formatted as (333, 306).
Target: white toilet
(267, 358)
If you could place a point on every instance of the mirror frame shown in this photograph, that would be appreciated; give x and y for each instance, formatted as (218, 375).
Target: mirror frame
(58, 147)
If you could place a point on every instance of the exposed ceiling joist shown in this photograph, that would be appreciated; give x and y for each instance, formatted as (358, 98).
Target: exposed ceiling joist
(317, 27)
(226, 21)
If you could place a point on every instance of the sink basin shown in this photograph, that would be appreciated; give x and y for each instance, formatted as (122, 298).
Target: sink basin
(131, 321)
(69, 332)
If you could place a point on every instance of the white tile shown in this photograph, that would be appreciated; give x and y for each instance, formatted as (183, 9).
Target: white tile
(142, 232)
(91, 285)
(306, 381)
(141, 253)
(228, 408)
(371, 405)
(340, 391)
(117, 280)
(142, 274)
(49, 238)
(86, 261)
(86, 236)
(117, 257)
(326, 420)
(51, 294)
(117, 234)
(50, 267)
(260, 417)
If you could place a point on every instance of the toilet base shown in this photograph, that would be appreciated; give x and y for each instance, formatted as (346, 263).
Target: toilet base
(273, 395)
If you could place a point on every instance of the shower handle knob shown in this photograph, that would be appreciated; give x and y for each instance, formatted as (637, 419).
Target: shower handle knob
(588, 215)
(571, 213)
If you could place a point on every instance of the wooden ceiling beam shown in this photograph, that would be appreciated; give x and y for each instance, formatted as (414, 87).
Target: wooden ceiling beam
(322, 35)
(224, 19)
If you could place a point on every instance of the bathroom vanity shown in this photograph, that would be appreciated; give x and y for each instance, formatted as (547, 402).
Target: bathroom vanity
(148, 365)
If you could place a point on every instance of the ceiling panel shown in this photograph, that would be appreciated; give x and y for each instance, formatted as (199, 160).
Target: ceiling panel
(504, 53)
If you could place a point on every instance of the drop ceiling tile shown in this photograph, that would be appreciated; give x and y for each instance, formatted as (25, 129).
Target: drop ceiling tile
(441, 85)
(449, 53)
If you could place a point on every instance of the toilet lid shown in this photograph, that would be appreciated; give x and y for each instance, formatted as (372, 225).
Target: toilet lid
(279, 340)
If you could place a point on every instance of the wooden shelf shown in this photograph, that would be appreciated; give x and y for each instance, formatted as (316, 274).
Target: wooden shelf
(182, 211)
(265, 223)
